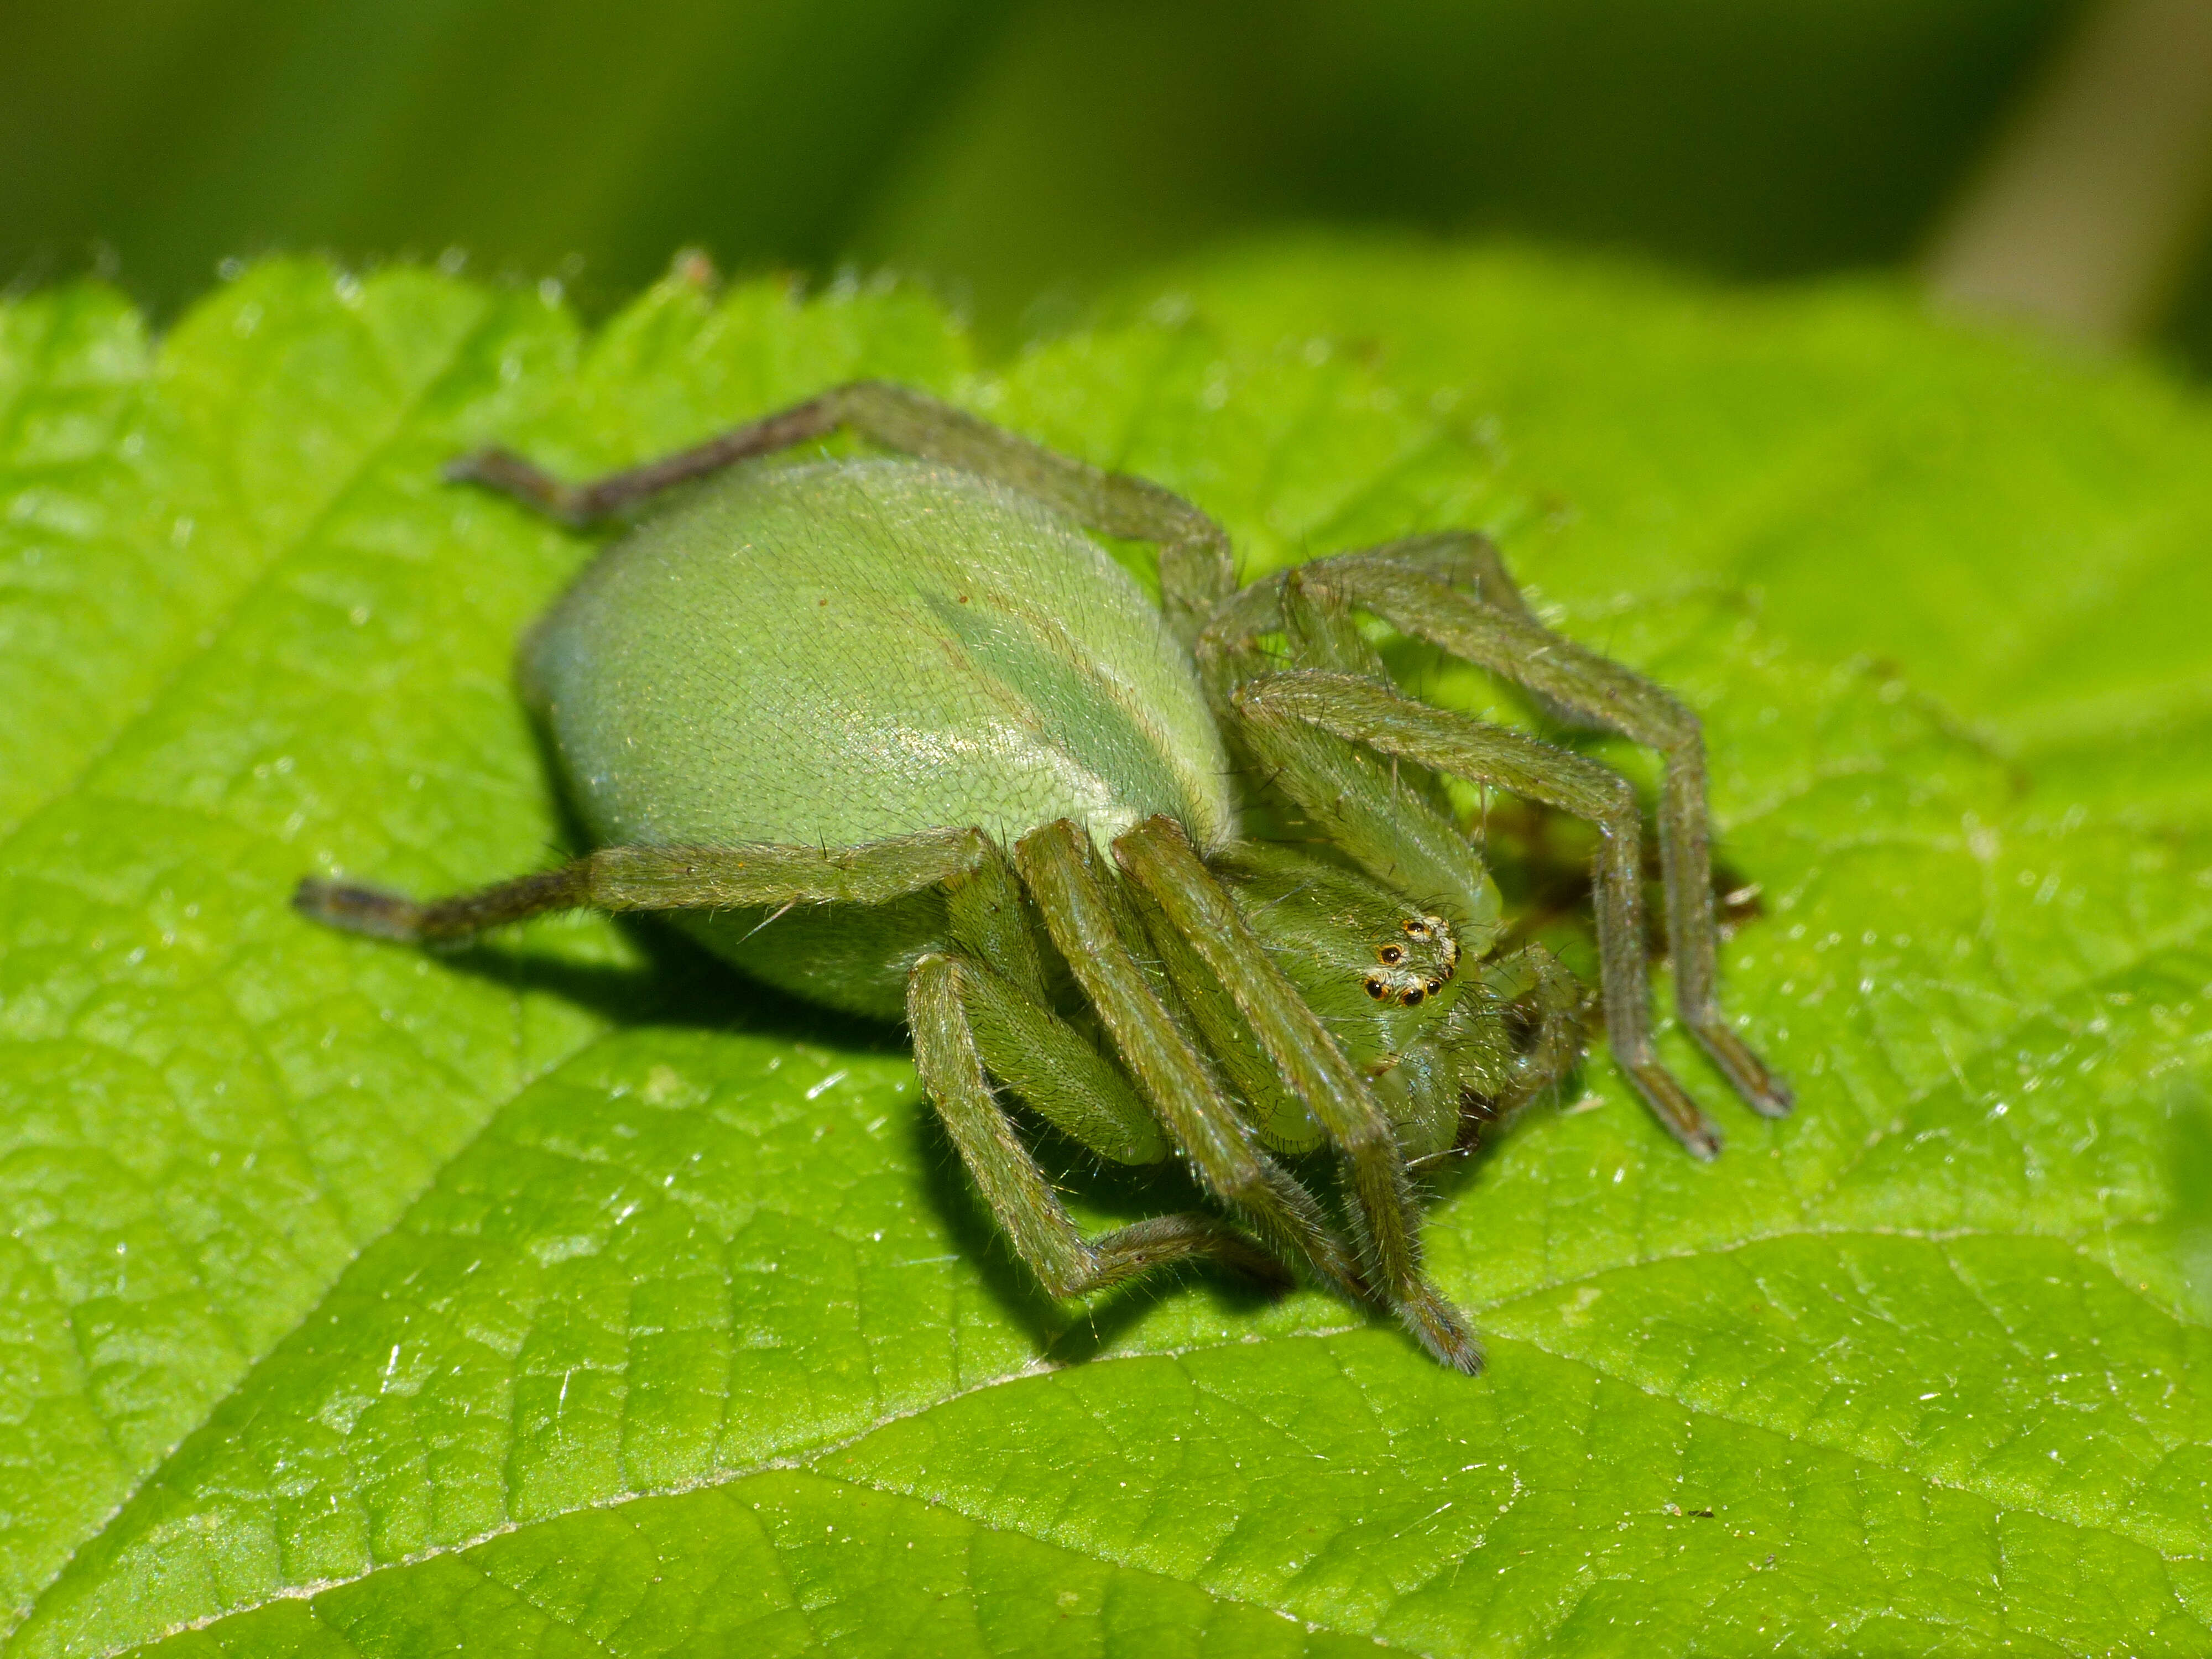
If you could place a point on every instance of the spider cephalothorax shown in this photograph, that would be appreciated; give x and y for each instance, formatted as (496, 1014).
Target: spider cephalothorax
(896, 735)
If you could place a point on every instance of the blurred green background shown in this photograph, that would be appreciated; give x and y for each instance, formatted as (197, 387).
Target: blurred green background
(1022, 154)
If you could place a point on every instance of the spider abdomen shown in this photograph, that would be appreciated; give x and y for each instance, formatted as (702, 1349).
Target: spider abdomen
(832, 654)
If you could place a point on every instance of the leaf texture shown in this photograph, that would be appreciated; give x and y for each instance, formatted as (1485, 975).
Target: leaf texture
(572, 1294)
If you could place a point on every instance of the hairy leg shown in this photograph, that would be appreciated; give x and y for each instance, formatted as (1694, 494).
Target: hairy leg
(1459, 558)
(1365, 711)
(991, 922)
(1602, 693)
(1159, 860)
(1200, 1119)
(658, 878)
(964, 1015)
(945, 997)
(1195, 574)
(1385, 817)
(1406, 836)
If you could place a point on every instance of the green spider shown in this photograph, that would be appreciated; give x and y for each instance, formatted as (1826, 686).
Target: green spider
(894, 734)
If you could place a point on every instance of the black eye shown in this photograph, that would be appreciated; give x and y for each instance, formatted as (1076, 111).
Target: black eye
(1413, 997)
(1390, 956)
(1416, 930)
(1435, 985)
(1375, 988)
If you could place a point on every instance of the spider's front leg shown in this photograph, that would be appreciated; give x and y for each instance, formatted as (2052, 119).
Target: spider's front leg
(1508, 641)
(966, 1020)
(1280, 709)
(1199, 1117)
(1159, 860)
(982, 1015)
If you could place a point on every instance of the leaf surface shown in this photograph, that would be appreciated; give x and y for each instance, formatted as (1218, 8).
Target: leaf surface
(571, 1295)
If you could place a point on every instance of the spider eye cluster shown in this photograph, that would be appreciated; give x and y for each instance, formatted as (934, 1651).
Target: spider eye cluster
(1410, 972)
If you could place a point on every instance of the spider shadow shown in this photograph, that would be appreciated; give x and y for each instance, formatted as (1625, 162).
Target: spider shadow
(676, 984)
(680, 986)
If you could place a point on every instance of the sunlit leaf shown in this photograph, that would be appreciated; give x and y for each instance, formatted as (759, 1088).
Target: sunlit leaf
(574, 1295)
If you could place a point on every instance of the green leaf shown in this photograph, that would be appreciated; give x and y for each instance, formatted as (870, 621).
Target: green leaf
(2023, 534)
(575, 1296)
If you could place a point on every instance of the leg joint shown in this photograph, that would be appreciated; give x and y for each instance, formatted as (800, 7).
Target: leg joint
(1619, 812)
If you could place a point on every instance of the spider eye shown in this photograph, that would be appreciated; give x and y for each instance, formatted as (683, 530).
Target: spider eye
(1435, 985)
(1376, 989)
(1416, 929)
(1389, 956)
(1413, 997)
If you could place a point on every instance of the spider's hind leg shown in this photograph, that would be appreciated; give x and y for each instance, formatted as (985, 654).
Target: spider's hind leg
(618, 879)
(1193, 551)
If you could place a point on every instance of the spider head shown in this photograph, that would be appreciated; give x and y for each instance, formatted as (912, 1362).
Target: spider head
(1404, 989)
(1372, 962)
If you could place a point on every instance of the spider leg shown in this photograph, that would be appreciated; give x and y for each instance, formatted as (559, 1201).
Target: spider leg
(1200, 1118)
(1604, 694)
(1001, 983)
(1365, 711)
(1404, 836)
(1195, 574)
(952, 1004)
(966, 1015)
(658, 878)
(1458, 558)
(1394, 829)
(1046, 1062)
(1158, 857)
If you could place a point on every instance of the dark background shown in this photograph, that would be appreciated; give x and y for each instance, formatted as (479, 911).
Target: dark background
(1020, 154)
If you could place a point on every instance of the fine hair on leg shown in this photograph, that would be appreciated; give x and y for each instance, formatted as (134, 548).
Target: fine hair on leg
(1199, 1116)
(1046, 1062)
(1158, 857)
(952, 1065)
